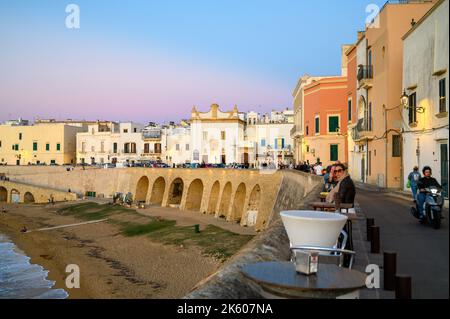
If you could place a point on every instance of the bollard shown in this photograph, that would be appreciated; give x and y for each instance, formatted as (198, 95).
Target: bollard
(369, 223)
(402, 287)
(197, 228)
(375, 239)
(390, 269)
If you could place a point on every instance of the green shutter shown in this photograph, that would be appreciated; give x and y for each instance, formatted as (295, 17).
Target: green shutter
(317, 125)
(35, 146)
(333, 124)
(58, 147)
(47, 147)
(334, 153)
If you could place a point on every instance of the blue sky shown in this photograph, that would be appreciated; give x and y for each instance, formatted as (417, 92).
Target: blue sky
(152, 60)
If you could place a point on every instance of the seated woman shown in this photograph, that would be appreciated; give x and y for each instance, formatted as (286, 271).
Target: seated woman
(345, 189)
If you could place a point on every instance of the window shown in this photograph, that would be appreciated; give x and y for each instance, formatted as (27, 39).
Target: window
(52, 162)
(317, 128)
(177, 147)
(114, 148)
(396, 146)
(349, 109)
(158, 148)
(196, 155)
(307, 130)
(442, 97)
(20, 136)
(223, 136)
(126, 148)
(412, 111)
(15, 147)
(307, 148)
(47, 147)
(334, 152)
(279, 143)
(35, 146)
(58, 146)
(125, 130)
(83, 147)
(263, 142)
(205, 136)
(187, 147)
(135, 130)
(333, 124)
(0, 143)
(146, 148)
(102, 146)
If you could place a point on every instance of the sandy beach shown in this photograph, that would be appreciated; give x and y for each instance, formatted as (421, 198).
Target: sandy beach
(111, 265)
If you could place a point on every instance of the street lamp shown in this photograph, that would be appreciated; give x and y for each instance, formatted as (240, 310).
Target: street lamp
(405, 102)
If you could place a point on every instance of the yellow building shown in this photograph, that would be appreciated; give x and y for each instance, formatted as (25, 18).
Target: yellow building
(50, 143)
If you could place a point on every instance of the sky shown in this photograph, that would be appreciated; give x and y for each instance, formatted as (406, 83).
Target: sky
(148, 60)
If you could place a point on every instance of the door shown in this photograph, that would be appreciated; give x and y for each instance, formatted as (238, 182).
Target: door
(444, 169)
(363, 169)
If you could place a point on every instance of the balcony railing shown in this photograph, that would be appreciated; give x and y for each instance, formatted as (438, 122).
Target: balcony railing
(295, 131)
(365, 72)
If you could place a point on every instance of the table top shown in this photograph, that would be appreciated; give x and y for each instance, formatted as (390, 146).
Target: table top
(282, 276)
(329, 205)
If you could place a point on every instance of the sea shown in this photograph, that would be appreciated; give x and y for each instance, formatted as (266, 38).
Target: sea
(20, 279)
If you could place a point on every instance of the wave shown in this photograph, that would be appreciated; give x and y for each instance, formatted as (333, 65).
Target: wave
(20, 279)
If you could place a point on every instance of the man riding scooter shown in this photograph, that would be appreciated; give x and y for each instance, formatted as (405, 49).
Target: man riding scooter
(425, 183)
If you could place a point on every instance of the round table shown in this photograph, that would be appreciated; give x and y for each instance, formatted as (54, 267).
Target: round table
(281, 280)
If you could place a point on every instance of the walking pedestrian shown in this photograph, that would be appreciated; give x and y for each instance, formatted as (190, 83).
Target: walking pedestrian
(413, 179)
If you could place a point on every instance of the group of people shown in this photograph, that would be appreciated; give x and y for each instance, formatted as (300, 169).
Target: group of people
(419, 185)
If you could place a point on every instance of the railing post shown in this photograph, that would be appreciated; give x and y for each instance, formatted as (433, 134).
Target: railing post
(369, 223)
(375, 240)
(390, 269)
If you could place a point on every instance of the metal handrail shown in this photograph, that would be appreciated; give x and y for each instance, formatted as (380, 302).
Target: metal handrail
(328, 249)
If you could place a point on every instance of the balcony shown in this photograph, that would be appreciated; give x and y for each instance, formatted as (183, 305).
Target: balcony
(363, 130)
(296, 132)
(365, 76)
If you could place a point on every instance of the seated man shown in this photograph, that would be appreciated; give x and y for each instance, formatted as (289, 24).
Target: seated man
(425, 182)
(345, 189)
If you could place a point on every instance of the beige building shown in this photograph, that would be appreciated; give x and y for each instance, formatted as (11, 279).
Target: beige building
(381, 77)
(425, 81)
(49, 143)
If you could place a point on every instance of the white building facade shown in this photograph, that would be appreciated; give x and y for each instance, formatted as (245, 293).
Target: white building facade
(119, 143)
(218, 137)
(425, 80)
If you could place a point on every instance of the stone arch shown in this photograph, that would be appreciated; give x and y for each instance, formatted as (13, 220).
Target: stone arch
(159, 186)
(253, 206)
(194, 195)
(225, 200)
(142, 189)
(238, 203)
(15, 196)
(175, 192)
(3, 195)
(28, 198)
(213, 198)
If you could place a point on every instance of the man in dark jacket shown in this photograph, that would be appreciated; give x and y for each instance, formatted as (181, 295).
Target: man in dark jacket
(425, 182)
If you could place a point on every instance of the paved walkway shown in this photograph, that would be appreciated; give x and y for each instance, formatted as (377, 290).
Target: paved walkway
(422, 252)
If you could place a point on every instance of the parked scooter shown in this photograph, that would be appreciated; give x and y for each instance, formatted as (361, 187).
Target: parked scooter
(432, 208)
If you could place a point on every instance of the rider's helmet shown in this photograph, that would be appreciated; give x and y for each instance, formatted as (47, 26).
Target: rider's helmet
(426, 168)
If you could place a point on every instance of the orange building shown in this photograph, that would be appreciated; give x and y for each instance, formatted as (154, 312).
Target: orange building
(325, 120)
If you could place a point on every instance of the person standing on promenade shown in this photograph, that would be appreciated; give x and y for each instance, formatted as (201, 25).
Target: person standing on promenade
(413, 179)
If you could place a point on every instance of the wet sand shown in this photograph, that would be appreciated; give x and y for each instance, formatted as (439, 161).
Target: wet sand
(111, 265)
